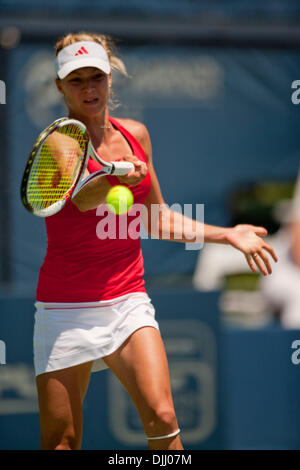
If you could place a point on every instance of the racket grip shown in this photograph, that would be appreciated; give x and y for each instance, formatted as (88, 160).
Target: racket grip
(121, 168)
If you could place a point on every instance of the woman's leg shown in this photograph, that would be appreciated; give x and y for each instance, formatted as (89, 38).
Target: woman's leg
(60, 396)
(141, 366)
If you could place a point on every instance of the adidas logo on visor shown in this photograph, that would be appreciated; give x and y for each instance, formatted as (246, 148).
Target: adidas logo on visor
(81, 51)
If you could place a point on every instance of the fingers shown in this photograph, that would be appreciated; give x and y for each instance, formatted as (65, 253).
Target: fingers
(271, 251)
(255, 260)
(137, 174)
(138, 164)
(250, 263)
(260, 231)
(261, 260)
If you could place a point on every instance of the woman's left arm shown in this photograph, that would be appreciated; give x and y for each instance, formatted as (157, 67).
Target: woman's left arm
(166, 224)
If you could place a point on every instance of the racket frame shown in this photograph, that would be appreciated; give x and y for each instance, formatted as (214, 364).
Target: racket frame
(38, 143)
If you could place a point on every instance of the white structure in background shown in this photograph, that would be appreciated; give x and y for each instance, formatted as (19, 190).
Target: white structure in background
(282, 289)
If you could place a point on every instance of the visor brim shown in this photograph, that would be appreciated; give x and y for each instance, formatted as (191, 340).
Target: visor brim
(83, 62)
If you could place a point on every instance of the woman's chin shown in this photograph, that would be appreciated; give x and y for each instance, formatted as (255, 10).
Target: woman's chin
(92, 111)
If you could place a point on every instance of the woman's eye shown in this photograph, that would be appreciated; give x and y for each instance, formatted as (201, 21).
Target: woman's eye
(77, 80)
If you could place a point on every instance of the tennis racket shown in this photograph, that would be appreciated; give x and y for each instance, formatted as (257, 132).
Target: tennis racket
(56, 165)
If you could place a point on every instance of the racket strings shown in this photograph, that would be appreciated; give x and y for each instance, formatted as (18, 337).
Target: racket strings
(56, 167)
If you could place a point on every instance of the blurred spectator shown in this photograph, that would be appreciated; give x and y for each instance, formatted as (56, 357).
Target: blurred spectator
(282, 289)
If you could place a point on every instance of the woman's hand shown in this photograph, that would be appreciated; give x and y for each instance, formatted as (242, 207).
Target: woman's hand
(248, 239)
(66, 151)
(134, 176)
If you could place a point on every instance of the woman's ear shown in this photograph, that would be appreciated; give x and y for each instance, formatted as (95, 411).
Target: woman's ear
(58, 85)
(109, 80)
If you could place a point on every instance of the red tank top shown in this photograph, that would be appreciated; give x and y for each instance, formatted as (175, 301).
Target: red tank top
(81, 266)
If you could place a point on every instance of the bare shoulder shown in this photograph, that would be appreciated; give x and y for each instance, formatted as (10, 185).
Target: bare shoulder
(139, 131)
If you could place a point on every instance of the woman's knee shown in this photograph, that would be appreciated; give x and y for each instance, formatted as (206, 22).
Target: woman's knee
(63, 440)
(61, 429)
(162, 421)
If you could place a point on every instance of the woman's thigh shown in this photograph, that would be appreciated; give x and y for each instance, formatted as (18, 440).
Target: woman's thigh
(141, 366)
(60, 396)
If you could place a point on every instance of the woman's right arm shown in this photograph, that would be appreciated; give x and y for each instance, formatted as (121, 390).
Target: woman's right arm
(94, 193)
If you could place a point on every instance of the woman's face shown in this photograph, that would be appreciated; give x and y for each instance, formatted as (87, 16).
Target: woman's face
(86, 91)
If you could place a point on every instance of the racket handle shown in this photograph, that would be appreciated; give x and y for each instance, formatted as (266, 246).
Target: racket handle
(122, 168)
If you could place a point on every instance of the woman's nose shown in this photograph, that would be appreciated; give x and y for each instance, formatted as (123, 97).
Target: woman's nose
(87, 84)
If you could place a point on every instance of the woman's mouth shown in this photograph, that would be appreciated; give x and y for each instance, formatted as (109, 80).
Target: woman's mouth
(91, 101)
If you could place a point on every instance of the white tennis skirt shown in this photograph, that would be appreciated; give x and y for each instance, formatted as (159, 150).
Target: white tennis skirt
(68, 334)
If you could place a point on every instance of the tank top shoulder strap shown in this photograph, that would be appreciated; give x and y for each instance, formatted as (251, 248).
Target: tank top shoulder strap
(134, 144)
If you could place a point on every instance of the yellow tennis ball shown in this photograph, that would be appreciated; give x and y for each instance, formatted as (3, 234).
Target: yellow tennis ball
(119, 199)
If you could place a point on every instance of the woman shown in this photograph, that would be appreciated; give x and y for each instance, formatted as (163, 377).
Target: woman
(92, 307)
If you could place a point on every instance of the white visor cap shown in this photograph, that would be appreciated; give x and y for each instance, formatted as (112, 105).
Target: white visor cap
(81, 54)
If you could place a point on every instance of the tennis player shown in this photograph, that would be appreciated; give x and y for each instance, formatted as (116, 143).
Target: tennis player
(92, 308)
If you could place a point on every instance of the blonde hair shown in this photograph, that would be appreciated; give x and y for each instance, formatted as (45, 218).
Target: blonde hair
(106, 41)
